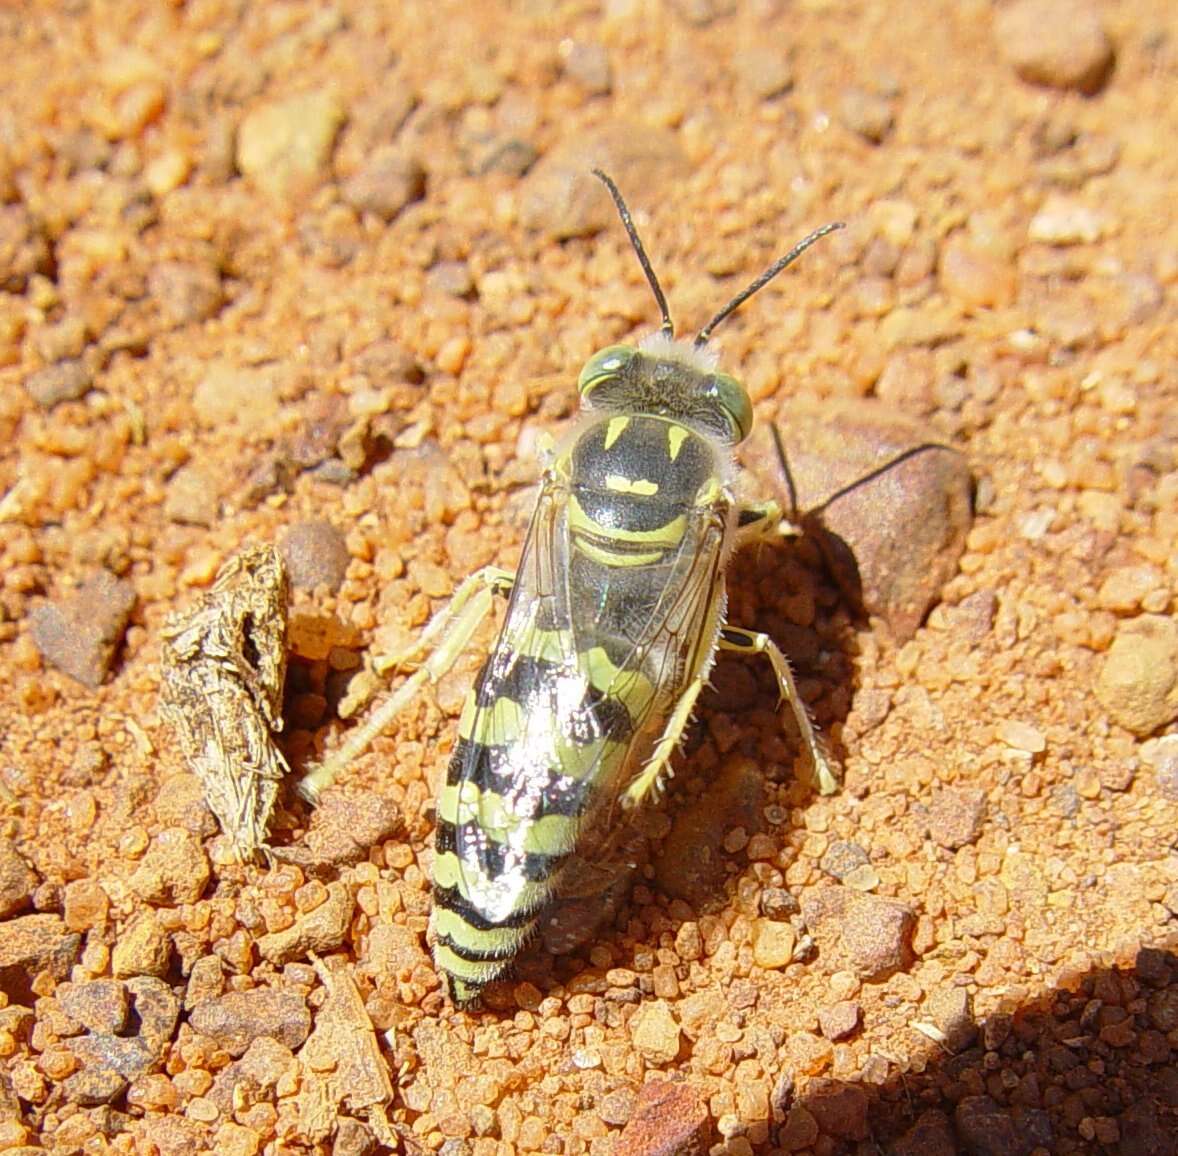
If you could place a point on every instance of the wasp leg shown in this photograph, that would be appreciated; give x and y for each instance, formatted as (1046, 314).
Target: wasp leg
(747, 642)
(757, 521)
(491, 578)
(657, 769)
(447, 636)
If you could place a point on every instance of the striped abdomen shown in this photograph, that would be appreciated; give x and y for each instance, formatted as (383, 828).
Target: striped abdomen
(520, 783)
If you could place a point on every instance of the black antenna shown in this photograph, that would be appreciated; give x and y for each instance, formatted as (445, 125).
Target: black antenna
(764, 279)
(871, 475)
(667, 327)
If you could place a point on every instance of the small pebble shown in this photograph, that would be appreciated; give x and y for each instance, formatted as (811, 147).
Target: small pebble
(1138, 682)
(974, 277)
(1162, 1010)
(180, 802)
(285, 146)
(866, 113)
(765, 69)
(347, 824)
(877, 933)
(841, 858)
(839, 1109)
(492, 152)
(316, 554)
(773, 943)
(30, 944)
(193, 497)
(617, 1107)
(1161, 756)
(669, 1119)
(139, 1045)
(175, 869)
(92, 1087)
(24, 249)
(1064, 221)
(17, 880)
(862, 878)
(80, 633)
(354, 1138)
(65, 381)
(322, 930)
(63, 341)
(205, 981)
(949, 1009)
(185, 293)
(586, 63)
(974, 615)
(840, 1020)
(800, 1129)
(238, 1018)
(453, 278)
(893, 542)
(777, 903)
(1022, 736)
(955, 816)
(387, 183)
(1057, 43)
(143, 948)
(655, 1032)
(243, 395)
(703, 12)
(1127, 587)
(562, 199)
(931, 1135)
(102, 1005)
(984, 1126)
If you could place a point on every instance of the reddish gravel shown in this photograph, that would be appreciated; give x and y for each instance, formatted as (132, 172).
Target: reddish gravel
(319, 276)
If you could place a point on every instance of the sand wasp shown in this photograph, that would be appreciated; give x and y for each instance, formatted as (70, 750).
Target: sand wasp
(614, 618)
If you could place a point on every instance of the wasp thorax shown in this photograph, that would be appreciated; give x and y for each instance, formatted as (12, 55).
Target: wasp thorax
(668, 378)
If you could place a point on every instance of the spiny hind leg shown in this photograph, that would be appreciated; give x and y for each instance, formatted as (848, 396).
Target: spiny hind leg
(657, 768)
(735, 639)
(444, 638)
(489, 578)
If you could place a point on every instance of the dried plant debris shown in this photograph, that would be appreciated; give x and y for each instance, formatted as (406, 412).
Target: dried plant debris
(223, 666)
(343, 1069)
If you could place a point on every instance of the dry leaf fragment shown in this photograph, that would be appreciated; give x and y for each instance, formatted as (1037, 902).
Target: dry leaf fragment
(223, 666)
(343, 1054)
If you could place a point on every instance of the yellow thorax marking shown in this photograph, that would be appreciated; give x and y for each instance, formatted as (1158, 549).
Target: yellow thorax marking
(620, 484)
(614, 430)
(676, 436)
(666, 535)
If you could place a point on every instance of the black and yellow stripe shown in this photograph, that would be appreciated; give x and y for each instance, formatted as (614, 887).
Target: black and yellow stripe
(486, 836)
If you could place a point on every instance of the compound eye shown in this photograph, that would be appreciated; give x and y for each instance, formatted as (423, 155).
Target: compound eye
(734, 401)
(605, 365)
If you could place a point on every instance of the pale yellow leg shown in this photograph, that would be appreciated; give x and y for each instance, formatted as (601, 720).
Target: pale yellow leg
(747, 642)
(489, 578)
(447, 636)
(657, 767)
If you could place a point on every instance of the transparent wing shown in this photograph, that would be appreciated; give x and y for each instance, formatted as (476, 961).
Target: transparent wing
(573, 698)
